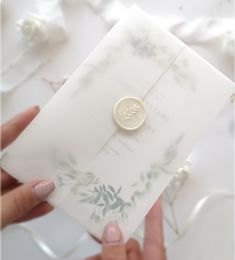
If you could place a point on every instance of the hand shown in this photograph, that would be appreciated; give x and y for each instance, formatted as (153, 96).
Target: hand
(21, 201)
(113, 247)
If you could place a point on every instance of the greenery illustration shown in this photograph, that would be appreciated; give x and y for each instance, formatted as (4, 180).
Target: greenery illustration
(142, 44)
(145, 47)
(106, 200)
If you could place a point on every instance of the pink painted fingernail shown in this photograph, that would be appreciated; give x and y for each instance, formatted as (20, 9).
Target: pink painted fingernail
(36, 108)
(43, 189)
(112, 233)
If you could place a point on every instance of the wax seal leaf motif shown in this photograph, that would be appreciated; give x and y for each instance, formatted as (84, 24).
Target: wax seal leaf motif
(129, 113)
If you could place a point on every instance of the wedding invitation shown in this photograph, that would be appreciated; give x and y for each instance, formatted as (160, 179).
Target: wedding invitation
(114, 135)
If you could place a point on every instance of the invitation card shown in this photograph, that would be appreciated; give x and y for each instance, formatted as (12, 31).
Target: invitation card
(114, 135)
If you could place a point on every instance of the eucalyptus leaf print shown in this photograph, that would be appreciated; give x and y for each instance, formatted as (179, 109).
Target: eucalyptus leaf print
(69, 174)
(106, 200)
(182, 73)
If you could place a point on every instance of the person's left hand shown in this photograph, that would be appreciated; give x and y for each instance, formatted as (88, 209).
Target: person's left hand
(21, 201)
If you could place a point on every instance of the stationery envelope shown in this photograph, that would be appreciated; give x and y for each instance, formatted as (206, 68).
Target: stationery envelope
(104, 172)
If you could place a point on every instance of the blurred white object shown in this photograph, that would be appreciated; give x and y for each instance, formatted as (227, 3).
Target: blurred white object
(97, 3)
(42, 29)
(47, 25)
(228, 46)
(110, 11)
(33, 28)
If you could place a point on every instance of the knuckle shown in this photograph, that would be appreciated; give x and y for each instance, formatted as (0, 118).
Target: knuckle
(149, 242)
(20, 202)
(134, 243)
(111, 257)
(133, 247)
(114, 256)
(115, 253)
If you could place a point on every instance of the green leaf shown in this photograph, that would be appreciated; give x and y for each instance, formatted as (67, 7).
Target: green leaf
(133, 198)
(96, 181)
(119, 190)
(150, 174)
(85, 200)
(71, 176)
(122, 207)
(92, 216)
(105, 198)
(109, 195)
(111, 189)
(137, 193)
(124, 215)
(163, 170)
(98, 219)
(116, 204)
(96, 199)
(104, 211)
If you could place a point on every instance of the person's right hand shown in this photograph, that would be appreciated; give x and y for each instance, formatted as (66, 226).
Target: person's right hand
(113, 247)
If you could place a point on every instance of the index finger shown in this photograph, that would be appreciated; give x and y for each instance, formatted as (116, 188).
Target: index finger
(112, 245)
(153, 240)
(11, 129)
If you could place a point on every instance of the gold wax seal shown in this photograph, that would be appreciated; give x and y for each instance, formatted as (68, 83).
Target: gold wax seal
(129, 113)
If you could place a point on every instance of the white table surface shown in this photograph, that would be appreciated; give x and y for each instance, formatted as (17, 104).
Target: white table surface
(211, 236)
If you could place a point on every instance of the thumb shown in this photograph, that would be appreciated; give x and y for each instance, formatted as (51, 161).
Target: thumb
(113, 246)
(23, 199)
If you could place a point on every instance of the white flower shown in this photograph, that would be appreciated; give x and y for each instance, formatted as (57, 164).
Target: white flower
(33, 28)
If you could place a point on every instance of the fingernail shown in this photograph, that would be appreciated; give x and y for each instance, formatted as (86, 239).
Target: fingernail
(43, 189)
(36, 107)
(112, 233)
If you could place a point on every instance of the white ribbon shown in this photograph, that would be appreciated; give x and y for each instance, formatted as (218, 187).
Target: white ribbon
(200, 205)
(193, 216)
(194, 31)
(42, 245)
